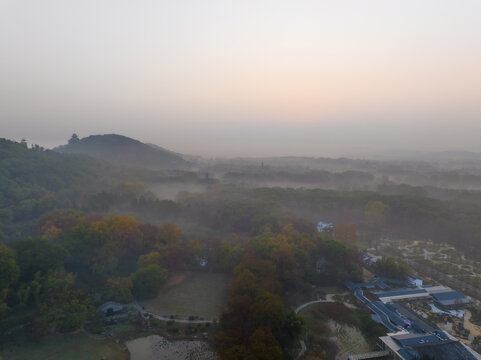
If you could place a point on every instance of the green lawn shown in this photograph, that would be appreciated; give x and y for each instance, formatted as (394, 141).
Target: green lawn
(69, 347)
(199, 294)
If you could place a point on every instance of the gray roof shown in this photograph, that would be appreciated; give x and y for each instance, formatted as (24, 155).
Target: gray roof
(416, 339)
(437, 345)
(448, 350)
(111, 305)
(450, 298)
(402, 292)
(392, 314)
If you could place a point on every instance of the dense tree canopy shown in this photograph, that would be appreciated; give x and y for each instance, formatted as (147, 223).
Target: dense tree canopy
(35, 181)
(257, 323)
(389, 267)
(108, 256)
(265, 236)
(147, 281)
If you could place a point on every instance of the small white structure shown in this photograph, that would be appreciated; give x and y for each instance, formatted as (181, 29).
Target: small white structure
(322, 226)
(370, 259)
(415, 281)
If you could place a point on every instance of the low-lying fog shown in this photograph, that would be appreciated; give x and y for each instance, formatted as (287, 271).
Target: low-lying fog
(168, 191)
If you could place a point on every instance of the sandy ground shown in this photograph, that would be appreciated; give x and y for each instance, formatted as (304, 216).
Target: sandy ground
(156, 347)
(474, 330)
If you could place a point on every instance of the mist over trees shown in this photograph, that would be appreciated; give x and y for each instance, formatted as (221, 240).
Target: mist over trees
(78, 231)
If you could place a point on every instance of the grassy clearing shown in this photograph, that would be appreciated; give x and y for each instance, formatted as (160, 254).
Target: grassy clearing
(198, 294)
(65, 347)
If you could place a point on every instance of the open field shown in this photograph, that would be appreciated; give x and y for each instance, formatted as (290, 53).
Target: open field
(69, 347)
(198, 294)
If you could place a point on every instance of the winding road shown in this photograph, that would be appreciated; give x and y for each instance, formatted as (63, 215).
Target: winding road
(140, 309)
(329, 298)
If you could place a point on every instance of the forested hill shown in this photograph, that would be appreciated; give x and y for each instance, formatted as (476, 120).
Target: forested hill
(124, 151)
(34, 181)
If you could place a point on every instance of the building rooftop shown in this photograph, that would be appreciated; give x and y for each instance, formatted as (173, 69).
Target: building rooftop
(448, 350)
(450, 297)
(387, 296)
(322, 226)
(368, 285)
(437, 289)
(418, 324)
(111, 306)
(391, 312)
(438, 345)
(418, 339)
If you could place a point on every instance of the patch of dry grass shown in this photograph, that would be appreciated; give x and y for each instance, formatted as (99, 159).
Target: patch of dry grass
(198, 294)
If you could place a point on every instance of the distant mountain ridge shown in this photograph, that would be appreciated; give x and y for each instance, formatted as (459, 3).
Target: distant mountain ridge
(125, 151)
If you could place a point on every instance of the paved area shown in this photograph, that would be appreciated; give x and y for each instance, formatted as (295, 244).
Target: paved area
(381, 314)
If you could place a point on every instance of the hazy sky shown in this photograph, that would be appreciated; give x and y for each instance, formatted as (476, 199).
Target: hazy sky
(230, 77)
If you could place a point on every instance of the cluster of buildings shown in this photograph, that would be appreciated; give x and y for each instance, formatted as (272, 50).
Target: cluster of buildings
(441, 295)
(410, 337)
(437, 345)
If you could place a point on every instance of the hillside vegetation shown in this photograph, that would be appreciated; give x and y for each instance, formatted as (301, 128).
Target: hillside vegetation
(34, 181)
(124, 151)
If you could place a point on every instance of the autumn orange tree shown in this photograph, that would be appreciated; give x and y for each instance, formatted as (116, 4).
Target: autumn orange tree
(257, 324)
